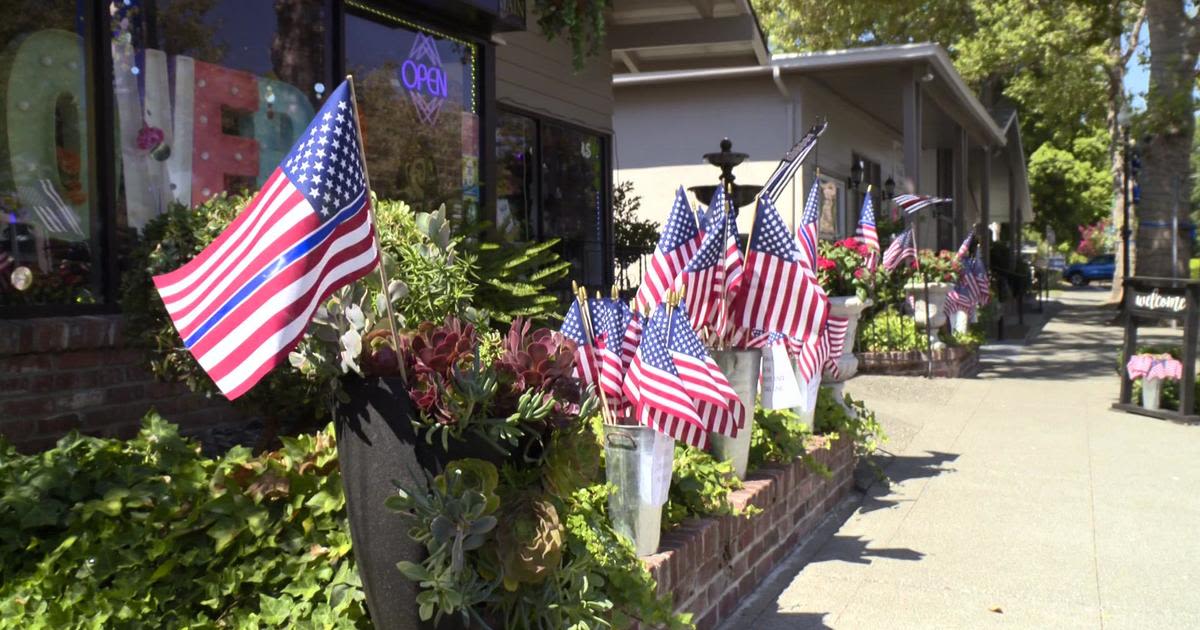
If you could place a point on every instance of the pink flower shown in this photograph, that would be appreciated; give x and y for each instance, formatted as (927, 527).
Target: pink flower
(824, 264)
(859, 273)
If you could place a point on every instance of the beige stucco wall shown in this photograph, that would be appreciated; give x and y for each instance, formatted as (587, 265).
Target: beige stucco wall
(537, 75)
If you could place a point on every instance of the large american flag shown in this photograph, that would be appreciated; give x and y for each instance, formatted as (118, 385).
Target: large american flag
(780, 294)
(912, 203)
(866, 230)
(656, 390)
(244, 302)
(706, 383)
(792, 160)
(902, 247)
(679, 241)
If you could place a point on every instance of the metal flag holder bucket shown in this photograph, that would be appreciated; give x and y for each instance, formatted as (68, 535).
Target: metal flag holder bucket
(1152, 393)
(741, 368)
(638, 463)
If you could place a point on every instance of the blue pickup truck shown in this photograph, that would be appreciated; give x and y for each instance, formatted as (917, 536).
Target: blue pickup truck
(1096, 268)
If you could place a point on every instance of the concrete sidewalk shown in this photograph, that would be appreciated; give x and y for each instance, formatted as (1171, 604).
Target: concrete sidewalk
(1018, 500)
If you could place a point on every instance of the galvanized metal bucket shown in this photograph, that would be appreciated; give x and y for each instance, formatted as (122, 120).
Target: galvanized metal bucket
(1151, 393)
(638, 463)
(742, 368)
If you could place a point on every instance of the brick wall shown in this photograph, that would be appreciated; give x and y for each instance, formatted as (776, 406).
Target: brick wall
(64, 373)
(950, 362)
(711, 565)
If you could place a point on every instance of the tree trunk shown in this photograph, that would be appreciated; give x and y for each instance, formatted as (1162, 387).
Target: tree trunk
(1165, 177)
(1119, 58)
(296, 53)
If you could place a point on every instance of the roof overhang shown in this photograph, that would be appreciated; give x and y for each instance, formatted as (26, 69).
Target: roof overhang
(946, 86)
(651, 35)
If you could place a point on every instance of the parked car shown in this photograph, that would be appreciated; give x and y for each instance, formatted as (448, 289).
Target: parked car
(1096, 268)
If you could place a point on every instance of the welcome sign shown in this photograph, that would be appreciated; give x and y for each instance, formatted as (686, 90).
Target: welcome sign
(1158, 303)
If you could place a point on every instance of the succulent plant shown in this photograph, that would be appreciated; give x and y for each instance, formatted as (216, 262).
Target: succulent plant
(529, 541)
(540, 361)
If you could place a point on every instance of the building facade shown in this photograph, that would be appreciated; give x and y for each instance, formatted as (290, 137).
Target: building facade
(900, 113)
(116, 111)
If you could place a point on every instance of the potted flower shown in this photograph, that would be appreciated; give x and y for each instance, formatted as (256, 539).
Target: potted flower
(1153, 369)
(842, 270)
(928, 288)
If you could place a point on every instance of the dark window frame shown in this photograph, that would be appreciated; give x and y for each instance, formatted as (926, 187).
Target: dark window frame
(606, 178)
(102, 125)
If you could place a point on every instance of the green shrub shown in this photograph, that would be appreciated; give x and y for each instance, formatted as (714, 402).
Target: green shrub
(778, 437)
(700, 486)
(100, 533)
(848, 417)
(888, 331)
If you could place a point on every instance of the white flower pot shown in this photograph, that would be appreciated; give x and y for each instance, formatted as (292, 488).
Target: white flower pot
(1151, 393)
(938, 291)
(851, 308)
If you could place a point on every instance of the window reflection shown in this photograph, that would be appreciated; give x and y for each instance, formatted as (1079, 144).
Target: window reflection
(48, 240)
(210, 95)
(516, 193)
(573, 198)
(417, 96)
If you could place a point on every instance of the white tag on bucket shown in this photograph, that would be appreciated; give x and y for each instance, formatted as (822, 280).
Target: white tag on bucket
(654, 469)
(808, 395)
(779, 387)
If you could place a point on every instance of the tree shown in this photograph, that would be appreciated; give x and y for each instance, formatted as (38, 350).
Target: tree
(1166, 152)
(1069, 188)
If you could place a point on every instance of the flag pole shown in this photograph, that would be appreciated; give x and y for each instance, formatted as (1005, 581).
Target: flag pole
(387, 294)
(725, 308)
(925, 279)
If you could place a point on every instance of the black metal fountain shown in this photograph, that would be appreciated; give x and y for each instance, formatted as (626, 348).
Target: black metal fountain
(726, 159)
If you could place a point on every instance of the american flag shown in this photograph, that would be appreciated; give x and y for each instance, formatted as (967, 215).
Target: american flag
(679, 242)
(781, 294)
(912, 203)
(834, 341)
(809, 228)
(243, 303)
(706, 383)
(965, 248)
(959, 298)
(608, 329)
(903, 246)
(866, 231)
(656, 390)
(53, 213)
(978, 284)
(734, 267)
(587, 363)
(704, 275)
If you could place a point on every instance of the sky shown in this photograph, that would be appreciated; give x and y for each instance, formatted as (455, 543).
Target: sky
(1137, 75)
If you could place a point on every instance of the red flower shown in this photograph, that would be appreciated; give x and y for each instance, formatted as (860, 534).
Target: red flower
(824, 264)
(913, 264)
(859, 273)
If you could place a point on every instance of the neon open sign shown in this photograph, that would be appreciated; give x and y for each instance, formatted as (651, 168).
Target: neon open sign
(422, 75)
(428, 79)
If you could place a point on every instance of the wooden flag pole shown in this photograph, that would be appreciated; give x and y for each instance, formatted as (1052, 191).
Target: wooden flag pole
(387, 294)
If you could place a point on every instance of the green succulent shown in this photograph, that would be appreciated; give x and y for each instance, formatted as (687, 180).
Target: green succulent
(529, 542)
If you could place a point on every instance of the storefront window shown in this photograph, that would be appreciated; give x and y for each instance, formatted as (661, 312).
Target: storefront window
(419, 101)
(551, 184)
(573, 198)
(49, 242)
(516, 169)
(209, 96)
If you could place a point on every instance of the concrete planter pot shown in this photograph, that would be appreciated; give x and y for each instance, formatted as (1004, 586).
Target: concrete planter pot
(742, 368)
(851, 308)
(960, 322)
(938, 291)
(638, 463)
(1151, 393)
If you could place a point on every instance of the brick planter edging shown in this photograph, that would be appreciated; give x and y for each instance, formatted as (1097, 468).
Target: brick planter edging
(710, 565)
(951, 362)
(64, 373)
